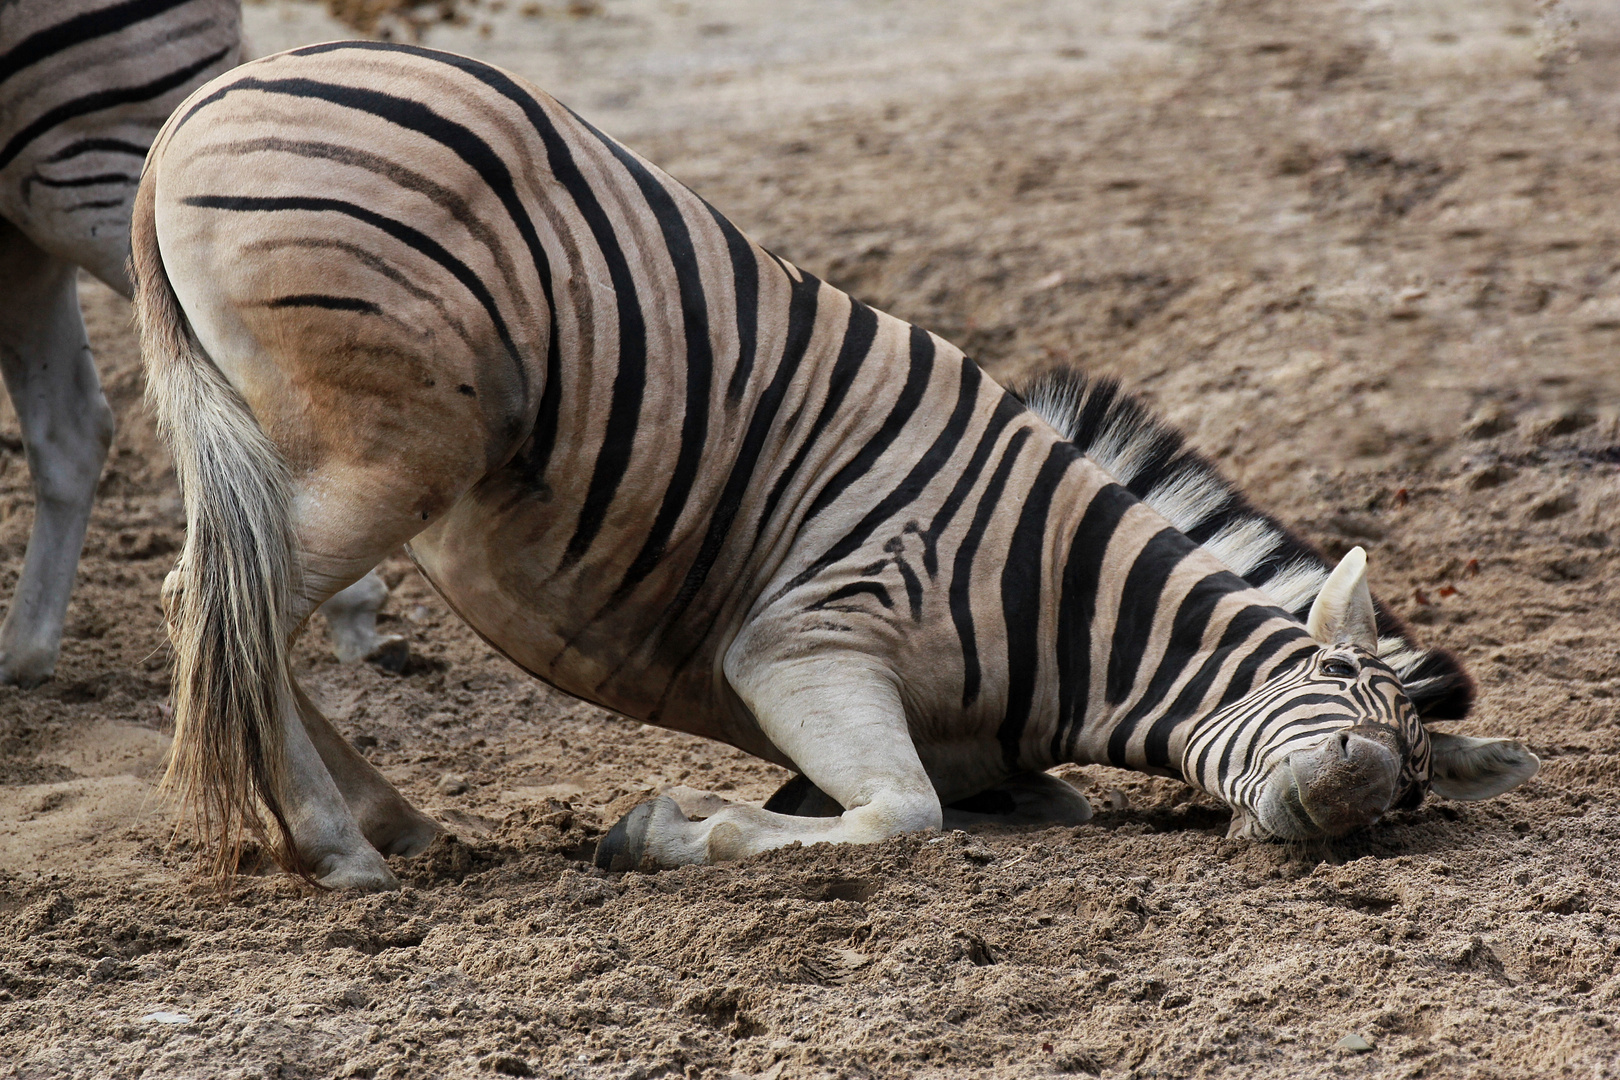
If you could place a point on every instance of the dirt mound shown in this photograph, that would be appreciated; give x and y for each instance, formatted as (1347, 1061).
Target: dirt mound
(1365, 255)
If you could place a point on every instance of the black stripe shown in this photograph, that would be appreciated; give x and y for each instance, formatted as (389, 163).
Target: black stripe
(904, 493)
(921, 369)
(91, 146)
(858, 588)
(613, 458)
(531, 461)
(83, 28)
(98, 204)
(914, 592)
(1077, 610)
(858, 337)
(801, 327)
(1238, 631)
(1139, 610)
(381, 267)
(1023, 596)
(1187, 631)
(1243, 677)
(1263, 726)
(1239, 687)
(83, 181)
(699, 368)
(321, 300)
(1006, 408)
(411, 115)
(961, 599)
(105, 99)
(745, 278)
(398, 230)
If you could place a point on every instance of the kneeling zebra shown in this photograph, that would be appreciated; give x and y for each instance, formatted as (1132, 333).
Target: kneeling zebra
(390, 295)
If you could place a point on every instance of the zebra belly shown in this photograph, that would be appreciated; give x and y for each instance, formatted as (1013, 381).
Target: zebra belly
(498, 558)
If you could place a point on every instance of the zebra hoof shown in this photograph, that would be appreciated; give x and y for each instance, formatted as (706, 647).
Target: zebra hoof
(625, 845)
(392, 654)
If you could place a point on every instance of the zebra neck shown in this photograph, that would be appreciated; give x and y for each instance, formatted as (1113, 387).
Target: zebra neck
(1154, 635)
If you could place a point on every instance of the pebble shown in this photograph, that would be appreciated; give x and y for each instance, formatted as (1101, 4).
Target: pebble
(1354, 1043)
(161, 1017)
(453, 784)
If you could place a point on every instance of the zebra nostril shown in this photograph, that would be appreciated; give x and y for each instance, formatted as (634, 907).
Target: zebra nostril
(1344, 744)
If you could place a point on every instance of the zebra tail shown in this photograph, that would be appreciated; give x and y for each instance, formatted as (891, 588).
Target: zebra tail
(229, 618)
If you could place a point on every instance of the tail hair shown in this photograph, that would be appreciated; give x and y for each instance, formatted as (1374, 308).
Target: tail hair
(1153, 461)
(229, 621)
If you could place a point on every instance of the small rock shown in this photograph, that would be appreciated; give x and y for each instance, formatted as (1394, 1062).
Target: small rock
(1117, 800)
(977, 854)
(453, 784)
(1354, 1043)
(1489, 420)
(162, 1017)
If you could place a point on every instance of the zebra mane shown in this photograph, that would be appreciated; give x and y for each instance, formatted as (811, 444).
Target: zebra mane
(1153, 461)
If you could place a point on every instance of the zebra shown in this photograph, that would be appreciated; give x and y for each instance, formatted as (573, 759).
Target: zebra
(84, 87)
(389, 295)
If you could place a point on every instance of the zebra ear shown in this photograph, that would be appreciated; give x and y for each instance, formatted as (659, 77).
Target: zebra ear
(1343, 611)
(1464, 767)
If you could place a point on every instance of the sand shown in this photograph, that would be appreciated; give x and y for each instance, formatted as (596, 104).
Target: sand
(1367, 255)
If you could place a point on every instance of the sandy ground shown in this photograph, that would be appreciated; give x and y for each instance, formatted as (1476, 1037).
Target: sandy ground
(1367, 254)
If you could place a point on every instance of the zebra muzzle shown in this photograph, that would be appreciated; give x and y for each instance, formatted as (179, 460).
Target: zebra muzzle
(1345, 782)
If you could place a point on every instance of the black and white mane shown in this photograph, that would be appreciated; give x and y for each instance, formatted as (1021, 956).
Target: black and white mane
(1152, 460)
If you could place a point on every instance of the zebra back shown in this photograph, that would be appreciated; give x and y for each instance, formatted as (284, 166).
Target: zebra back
(1153, 461)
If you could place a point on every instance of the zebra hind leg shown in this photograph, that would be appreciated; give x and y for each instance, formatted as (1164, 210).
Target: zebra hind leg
(388, 822)
(67, 429)
(351, 619)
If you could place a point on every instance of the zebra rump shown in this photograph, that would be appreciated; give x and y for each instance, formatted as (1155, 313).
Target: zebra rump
(1153, 461)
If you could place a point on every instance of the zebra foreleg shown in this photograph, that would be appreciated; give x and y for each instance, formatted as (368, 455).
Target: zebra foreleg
(839, 718)
(66, 431)
(388, 822)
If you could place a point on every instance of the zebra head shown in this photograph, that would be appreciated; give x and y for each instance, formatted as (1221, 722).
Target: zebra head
(1331, 743)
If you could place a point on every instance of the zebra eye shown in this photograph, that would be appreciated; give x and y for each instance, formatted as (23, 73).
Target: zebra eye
(1335, 668)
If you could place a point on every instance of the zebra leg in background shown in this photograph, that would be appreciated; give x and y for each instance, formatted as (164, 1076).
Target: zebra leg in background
(839, 718)
(66, 431)
(1026, 799)
(351, 618)
(389, 823)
